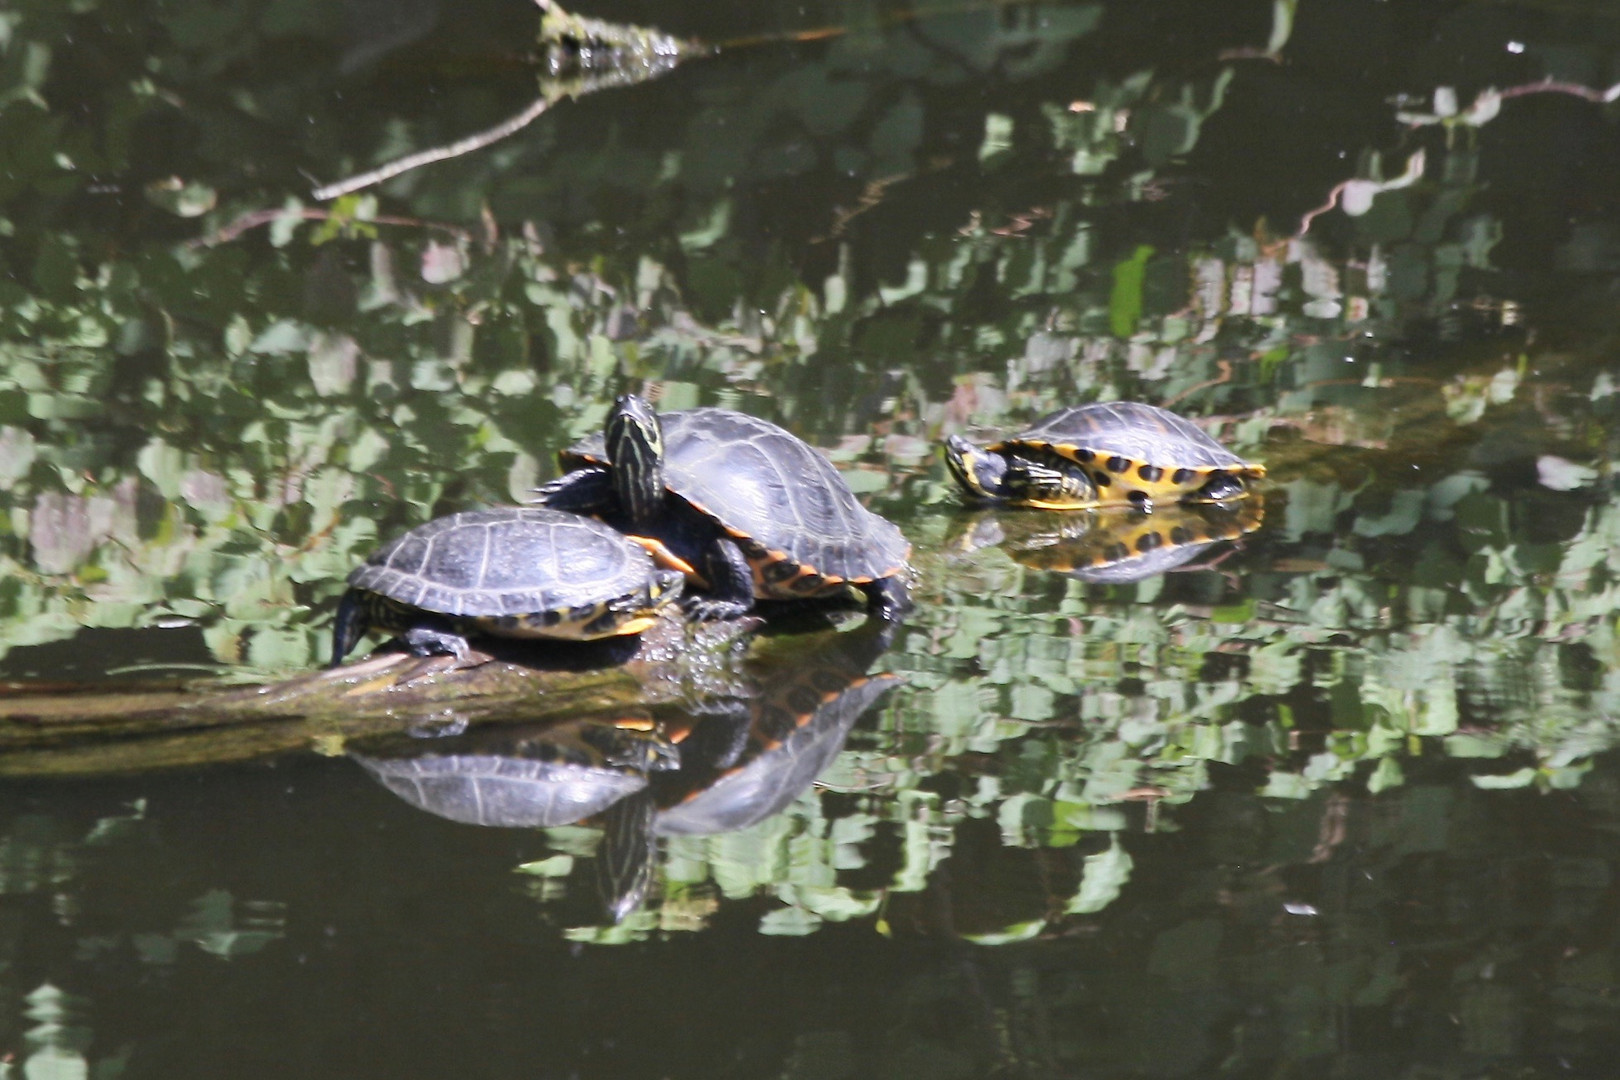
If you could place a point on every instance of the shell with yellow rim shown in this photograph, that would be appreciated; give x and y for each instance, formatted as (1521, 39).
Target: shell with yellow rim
(1119, 453)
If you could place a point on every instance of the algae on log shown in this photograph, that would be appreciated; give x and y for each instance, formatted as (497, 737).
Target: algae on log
(67, 731)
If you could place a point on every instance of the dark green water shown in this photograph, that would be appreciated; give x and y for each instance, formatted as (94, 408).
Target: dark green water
(1337, 799)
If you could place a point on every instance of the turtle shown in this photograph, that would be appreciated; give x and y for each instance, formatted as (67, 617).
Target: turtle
(749, 509)
(1103, 454)
(524, 572)
(1116, 546)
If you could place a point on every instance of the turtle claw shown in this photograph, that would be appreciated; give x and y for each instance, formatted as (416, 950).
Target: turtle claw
(708, 609)
(424, 670)
(427, 641)
(888, 598)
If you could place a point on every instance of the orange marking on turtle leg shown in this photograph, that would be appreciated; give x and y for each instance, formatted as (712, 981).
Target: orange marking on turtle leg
(667, 558)
(809, 583)
(775, 569)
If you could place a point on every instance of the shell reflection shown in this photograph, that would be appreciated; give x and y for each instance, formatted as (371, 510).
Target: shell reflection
(1109, 547)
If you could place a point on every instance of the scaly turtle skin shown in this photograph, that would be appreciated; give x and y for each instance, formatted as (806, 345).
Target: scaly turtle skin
(1107, 454)
(515, 572)
(753, 511)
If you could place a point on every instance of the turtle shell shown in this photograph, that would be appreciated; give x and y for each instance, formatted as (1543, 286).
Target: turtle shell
(510, 562)
(801, 527)
(1133, 452)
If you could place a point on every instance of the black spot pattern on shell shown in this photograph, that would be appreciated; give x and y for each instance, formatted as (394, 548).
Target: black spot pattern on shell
(1145, 446)
(1117, 547)
(781, 571)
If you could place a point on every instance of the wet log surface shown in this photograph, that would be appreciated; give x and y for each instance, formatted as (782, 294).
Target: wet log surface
(75, 730)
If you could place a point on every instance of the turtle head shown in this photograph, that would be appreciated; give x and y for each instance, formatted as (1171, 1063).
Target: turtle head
(635, 448)
(982, 473)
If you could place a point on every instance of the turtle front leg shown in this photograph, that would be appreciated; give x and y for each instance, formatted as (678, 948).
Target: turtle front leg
(584, 491)
(1055, 483)
(435, 638)
(1221, 486)
(731, 584)
(888, 598)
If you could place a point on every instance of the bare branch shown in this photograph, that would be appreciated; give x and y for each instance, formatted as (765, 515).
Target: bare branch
(438, 153)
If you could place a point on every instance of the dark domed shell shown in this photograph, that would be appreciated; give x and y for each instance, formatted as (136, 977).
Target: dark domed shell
(766, 485)
(506, 562)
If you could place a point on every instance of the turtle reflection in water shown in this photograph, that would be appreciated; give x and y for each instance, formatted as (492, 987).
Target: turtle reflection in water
(741, 769)
(1111, 547)
(539, 777)
(1119, 453)
(738, 763)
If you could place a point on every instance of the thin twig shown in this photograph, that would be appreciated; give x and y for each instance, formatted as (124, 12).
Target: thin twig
(257, 218)
(1225, 376)
(1317, 211)
(437, 153)
(1554, 86)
